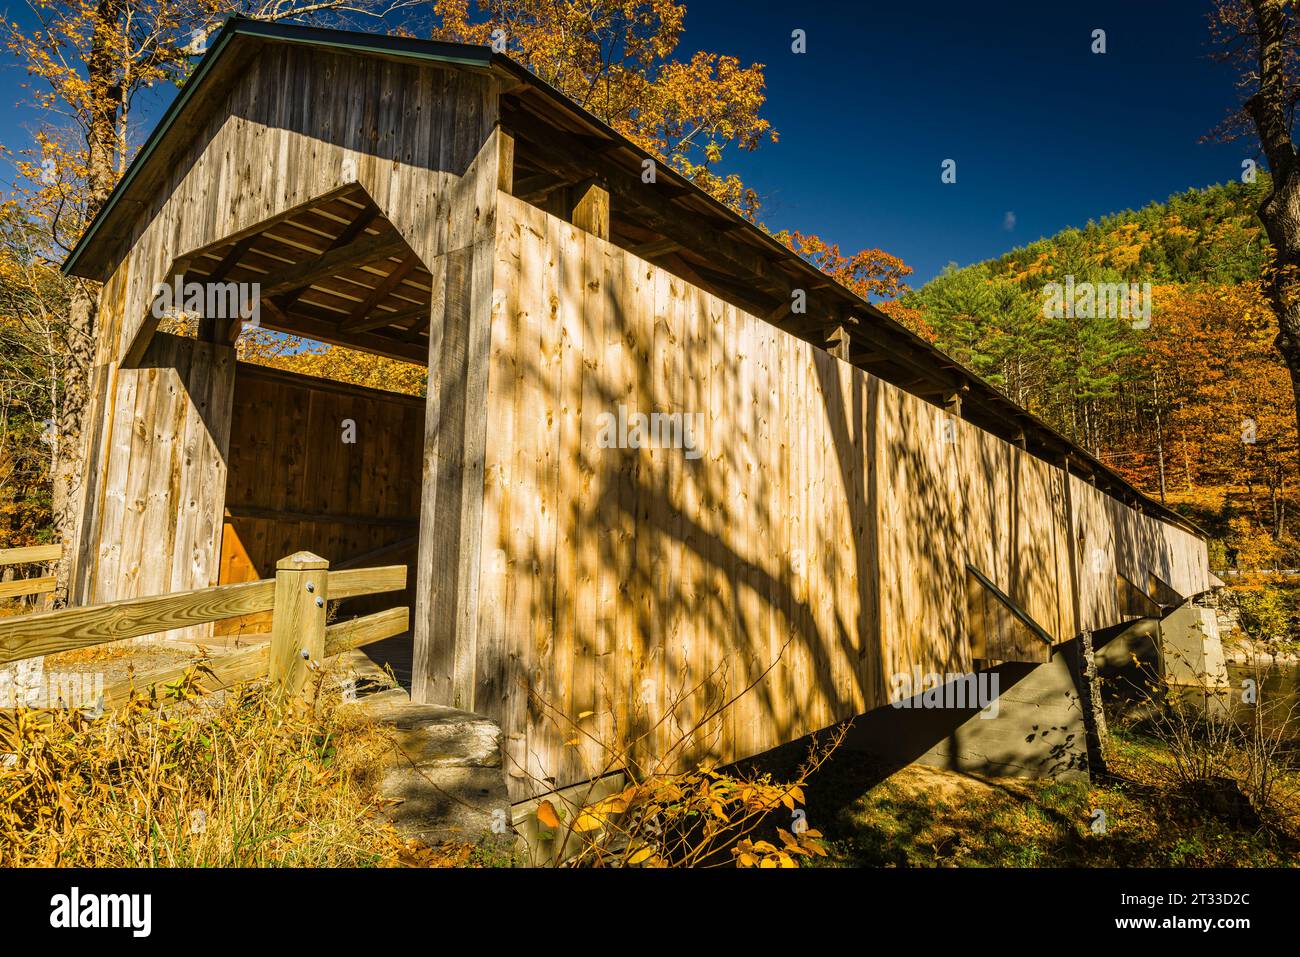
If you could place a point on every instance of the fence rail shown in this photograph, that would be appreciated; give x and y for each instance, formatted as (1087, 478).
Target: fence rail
(297, 598)
(29, 555)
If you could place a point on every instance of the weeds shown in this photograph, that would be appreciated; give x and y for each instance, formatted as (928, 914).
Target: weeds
(181, 780)
(1230, 749)
(668, 817)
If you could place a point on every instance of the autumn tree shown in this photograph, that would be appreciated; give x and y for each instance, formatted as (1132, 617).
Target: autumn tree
(1229, 404)
(88, 63)
(871, 273)
(33, 302)
(615, 59)
(1261, 39)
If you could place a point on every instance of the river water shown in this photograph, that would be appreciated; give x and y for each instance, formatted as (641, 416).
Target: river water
(1279, 693)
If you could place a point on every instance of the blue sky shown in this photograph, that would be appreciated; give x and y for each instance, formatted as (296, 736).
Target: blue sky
(1040, 127)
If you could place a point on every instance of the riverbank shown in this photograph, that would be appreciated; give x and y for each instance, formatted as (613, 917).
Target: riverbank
(1248, 652)
(928, 817)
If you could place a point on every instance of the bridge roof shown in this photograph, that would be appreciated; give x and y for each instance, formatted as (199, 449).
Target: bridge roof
(674, 222)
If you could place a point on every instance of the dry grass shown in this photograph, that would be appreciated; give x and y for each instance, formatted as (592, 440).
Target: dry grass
(228, 780)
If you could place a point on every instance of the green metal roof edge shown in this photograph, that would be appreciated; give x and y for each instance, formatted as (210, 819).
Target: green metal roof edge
(432, 50)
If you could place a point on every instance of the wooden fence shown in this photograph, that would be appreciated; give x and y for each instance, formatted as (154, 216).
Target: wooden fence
(29, 555)
(298, 599)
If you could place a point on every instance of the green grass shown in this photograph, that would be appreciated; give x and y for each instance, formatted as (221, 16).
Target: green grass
(926, 817)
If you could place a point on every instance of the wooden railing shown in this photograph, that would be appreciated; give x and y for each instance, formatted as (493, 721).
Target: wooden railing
(298, 599)
(29, 555)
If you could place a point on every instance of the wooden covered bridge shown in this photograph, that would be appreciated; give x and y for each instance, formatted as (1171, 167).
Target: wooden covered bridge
(855, 504)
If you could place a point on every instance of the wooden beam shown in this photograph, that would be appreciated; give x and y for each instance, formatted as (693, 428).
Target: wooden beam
(231, 259)
(346, 635)
(658, 247)
(505, 161)
(213, 674)
(361, 252)
(30, 553)
(355, 582)
(326, 330)
(728, 287)
(249, 664)
(29, 636)
(952, 398)
(27, 586)
(317, 518)
(379, 320)
(362, 313)
(780, 312)
(653, 208)
(535, 188)
(365, 217)
(812, 324)
(837, 342)
(405, 544)
(298, 623)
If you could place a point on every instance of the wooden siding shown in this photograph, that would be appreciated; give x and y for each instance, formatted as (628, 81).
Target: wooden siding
(157, 523)
(1116, 541)
(823, 534)
(298, 125)
(294, 485)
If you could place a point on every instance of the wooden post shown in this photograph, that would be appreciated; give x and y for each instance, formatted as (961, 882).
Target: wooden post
(298, 621)
(590, 208)
(837, 342)
(505, 161)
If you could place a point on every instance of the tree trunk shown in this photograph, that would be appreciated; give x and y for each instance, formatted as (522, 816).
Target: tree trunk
(102, 139)
(1160, 435)
(1096, 731)
(1270, 112)
(70, 421)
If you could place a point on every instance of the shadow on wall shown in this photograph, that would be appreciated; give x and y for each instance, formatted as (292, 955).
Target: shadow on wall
(814, 549)
(639, 575)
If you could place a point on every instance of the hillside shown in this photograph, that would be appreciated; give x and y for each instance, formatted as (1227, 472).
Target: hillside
(1184, 394)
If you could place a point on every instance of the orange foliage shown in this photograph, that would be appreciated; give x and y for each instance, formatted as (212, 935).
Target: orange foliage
(868, 272)
(615, 59)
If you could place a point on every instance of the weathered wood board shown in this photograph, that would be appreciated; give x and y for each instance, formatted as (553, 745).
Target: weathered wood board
(317, 466)
(161, 475)
(817, 546)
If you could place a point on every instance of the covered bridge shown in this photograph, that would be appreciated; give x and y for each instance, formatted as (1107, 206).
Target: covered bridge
(855, 504)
